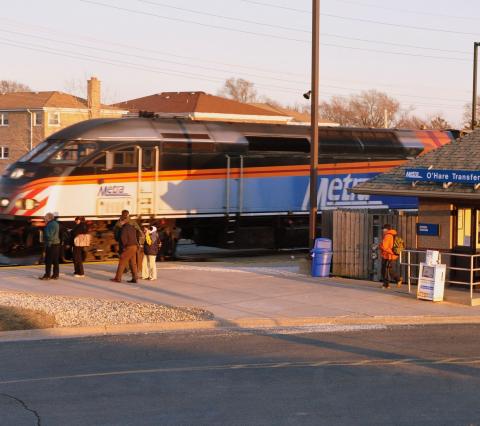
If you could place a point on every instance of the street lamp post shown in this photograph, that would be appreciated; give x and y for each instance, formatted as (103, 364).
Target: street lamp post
(474, 94)
(314, 121)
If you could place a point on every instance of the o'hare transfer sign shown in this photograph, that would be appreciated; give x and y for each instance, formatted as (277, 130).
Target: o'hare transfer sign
(441, 175)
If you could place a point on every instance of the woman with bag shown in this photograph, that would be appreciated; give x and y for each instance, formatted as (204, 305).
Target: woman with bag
(81, 239)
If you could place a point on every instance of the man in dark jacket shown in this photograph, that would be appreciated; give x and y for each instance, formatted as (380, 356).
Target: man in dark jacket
(78, 252)
(125, 216)
(129, 242)
(52, 248)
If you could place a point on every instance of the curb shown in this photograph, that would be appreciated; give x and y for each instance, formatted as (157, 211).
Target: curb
(238, 325)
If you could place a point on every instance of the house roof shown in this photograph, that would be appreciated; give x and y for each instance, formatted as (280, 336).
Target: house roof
(191, 103)
(460, 154)
(298, 117)
(35, 100)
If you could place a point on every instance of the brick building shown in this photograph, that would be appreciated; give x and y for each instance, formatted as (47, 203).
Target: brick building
(26, 118)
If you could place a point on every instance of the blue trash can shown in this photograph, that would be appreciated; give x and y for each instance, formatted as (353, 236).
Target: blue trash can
(321, 257)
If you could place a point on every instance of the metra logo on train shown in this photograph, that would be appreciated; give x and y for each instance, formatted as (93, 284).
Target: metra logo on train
(112, 191)
(334, 191)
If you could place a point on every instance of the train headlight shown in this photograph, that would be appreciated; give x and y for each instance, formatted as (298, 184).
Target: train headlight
(30, 204)
(17, 173)
(26, 204)
(4, 202)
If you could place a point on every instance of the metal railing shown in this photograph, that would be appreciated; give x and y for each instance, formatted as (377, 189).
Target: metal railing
(412, 267)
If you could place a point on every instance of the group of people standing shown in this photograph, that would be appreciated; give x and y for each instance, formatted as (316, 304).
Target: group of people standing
(53, 246)
(138, 248)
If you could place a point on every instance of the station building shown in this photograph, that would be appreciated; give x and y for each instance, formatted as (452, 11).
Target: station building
(447, 184)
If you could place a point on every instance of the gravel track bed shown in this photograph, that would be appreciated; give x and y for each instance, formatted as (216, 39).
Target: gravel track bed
(81, 311)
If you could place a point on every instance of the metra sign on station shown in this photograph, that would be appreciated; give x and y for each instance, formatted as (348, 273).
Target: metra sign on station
(442, 175)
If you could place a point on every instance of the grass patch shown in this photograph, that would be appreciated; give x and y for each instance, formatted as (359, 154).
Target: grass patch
(12, 318)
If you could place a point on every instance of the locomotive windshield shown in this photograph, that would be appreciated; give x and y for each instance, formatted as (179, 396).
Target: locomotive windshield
(73, 152)
(30, 154)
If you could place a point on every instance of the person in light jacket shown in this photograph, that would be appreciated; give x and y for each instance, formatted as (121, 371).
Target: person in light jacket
(150, 250)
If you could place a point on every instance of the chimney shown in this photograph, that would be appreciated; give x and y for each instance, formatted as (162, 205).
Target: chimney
(93, 97)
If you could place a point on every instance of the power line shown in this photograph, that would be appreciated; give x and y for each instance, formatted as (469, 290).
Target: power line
(229, 18)
(36, 36)
(369, 21)
(293, 29)
(296, 29)
(416, 12)
(388, 52)
(269, 35)
(117, 62)
(188, 21)
(293, 9)
(149, 58)
(38, 28)
(460, 52)
(125, 64)
(160, 52)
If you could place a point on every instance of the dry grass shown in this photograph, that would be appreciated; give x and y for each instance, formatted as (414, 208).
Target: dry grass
(12, 318)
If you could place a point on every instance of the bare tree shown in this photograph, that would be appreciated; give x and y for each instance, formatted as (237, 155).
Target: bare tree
(367, 109)
(239, 90)
(8, 86)
(76, 87)
(438, 122)
(467, 114)
(407, 120)
(372, 108)
(337, 111)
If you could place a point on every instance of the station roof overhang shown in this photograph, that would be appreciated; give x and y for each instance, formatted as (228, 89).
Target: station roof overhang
(451, 195)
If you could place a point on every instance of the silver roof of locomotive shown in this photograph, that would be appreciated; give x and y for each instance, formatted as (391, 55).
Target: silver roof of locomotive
(129, 129)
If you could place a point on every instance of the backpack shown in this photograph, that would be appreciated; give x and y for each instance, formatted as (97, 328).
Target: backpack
(82, 240)
(398, 245)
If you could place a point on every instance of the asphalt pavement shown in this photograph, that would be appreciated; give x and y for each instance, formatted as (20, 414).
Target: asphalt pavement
(368, 375)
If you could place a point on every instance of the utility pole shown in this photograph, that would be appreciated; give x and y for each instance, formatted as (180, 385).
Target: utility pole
(474, 95)
(314, 121)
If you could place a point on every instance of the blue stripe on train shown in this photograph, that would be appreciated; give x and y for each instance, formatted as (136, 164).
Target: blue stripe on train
(272, 194)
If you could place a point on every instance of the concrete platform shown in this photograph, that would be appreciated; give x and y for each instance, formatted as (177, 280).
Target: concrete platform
(239, 289)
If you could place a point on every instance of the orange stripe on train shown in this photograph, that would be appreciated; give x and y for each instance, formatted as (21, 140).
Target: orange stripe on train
(249, 172)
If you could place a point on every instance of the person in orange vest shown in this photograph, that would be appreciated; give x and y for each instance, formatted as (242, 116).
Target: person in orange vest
(389, 258)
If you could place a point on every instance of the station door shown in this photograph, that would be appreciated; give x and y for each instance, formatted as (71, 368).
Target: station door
(356, 234)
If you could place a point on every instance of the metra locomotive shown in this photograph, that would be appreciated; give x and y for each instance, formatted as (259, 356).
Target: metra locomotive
(222, 184)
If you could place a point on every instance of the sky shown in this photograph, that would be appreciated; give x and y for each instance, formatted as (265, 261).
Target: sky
(417, 51)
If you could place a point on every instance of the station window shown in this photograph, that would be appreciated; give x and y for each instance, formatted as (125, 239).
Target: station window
(477, 243)
(4, 119)
(464, 227)
(4, 152)
(54, 119)
(37, 118)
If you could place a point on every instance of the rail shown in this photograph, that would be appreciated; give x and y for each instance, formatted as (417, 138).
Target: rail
(412, 266)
